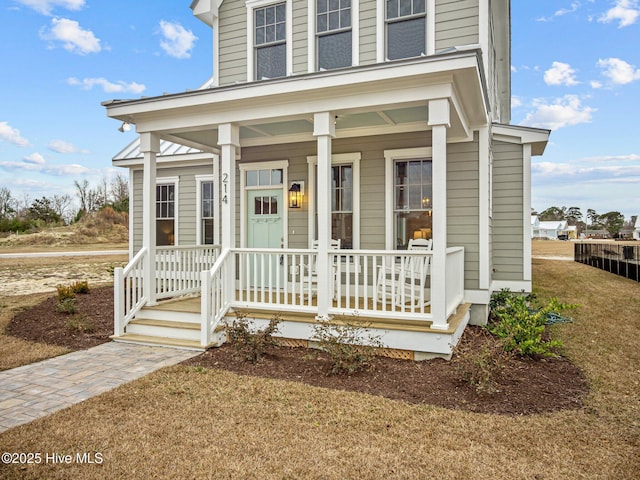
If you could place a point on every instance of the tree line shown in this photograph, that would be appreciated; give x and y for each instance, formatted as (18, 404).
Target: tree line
(613, 222)
(26, 214)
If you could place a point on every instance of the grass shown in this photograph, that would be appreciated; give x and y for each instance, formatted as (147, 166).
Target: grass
(183, 422)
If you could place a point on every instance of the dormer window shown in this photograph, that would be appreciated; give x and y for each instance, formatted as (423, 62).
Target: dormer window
(270, 40)
(405, 24)
(334, 36)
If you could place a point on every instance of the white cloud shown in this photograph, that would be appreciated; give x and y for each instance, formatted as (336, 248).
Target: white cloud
(516, 102)
(60, 146)
(562, 112)
(619, 71)
(625, 12)
(560, 74)
(12, 135)
(35, 159)
(107, 86)
(178, 42)
(595, 84)
(561, 12)
(632, 157)
(46, 6)
(74, 39)
(32, 165)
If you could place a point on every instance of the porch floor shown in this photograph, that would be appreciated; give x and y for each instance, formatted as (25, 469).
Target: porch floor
(192, 305)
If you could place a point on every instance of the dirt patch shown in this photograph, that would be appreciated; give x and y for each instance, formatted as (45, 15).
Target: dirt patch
(91, 325)
(523, 386)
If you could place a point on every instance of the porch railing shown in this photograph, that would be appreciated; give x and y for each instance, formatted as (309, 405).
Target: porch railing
(217, 292)
(455, 279)
(379, 283)
(274, 278)
(178, 269)
(129, 295)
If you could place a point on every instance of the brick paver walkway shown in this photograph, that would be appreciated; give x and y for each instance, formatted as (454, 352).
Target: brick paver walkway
(36, 390)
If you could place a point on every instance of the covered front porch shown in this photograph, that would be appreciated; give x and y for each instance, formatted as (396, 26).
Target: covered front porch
(194, 289)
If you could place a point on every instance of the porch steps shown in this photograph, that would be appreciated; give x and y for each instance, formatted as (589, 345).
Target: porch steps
(171, 324)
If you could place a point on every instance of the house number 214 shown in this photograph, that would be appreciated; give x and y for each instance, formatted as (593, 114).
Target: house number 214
(225, 188)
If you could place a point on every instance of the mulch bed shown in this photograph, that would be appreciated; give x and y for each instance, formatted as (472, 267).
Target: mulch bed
(522, 386)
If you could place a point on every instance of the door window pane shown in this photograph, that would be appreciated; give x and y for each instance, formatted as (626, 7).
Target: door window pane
(206, 212)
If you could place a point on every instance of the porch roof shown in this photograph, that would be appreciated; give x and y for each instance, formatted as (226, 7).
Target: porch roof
(383, 98)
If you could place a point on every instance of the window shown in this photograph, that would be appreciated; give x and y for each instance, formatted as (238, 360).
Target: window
(342, 204)
(412, 207)
(405, 26)
(206, 213)
(334, 36)
(270, 40)
(165, 214)
(264, 178)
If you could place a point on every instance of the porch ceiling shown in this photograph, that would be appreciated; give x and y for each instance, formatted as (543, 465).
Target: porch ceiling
(372, 100)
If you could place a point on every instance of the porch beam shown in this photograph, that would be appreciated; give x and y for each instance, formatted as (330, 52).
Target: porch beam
(439, 120)
(324, 130)
(150, 147)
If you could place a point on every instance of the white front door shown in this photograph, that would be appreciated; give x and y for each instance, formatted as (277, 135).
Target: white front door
(265, 223)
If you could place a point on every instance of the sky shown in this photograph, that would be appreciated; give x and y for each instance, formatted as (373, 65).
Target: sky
(575, 69)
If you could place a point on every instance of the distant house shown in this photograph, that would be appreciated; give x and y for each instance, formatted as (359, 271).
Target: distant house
(550, 229)
(636, 231)
(535, 226)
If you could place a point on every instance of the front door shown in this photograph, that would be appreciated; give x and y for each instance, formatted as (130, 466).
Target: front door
(265, 230)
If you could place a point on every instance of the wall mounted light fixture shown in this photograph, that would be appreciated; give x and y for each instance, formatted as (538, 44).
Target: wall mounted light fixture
(125, 127)
(296, 191)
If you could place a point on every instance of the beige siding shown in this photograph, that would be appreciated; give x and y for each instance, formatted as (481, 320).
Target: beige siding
(186, 202)
(300, 63)
(462, 205)
(233, 42)
(456, 23)
(367, 32)
(508, 228)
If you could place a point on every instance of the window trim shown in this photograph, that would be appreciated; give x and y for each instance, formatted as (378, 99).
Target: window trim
(176, 207)
(336, 159)
(312, 35)
(390, 157)
(200, 179)
(381, 30)
(251, 5)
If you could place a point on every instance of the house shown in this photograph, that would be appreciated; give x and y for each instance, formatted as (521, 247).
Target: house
(535, 226)
(636, 231)
(553, 229)
(367, 124)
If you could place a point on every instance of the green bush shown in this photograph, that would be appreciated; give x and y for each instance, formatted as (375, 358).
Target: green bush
(521, 325)
(68, 305)
(348, 343)
(478, 367)
(250, 343)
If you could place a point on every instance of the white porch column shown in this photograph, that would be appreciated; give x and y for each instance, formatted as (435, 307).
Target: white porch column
(150, 147)
(229, 141)
(439, 121)
(324, 129)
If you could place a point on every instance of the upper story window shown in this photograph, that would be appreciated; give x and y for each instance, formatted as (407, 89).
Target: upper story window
(405, 24)
(270, 41)
(334, 36)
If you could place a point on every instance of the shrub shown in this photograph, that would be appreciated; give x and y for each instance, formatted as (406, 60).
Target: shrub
(68, 305)
(250, 343)
(478, 366)
(65, 292)
(80, 287)
(521, 326)
(80, 323)
(350, 346)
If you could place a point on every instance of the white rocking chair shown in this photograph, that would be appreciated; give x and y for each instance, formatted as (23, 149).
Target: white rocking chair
(310, 276)
(404, 283)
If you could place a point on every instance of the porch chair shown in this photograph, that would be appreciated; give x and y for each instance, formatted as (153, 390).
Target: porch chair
(404, 283)
(311, 274)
